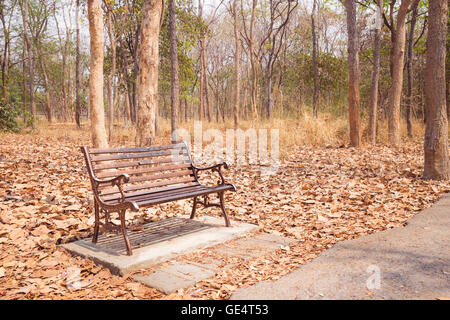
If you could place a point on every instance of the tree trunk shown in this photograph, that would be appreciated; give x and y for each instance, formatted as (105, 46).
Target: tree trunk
(148, 72)
(397, 62)
(254, 63)
(207, 105)
(202, 67)
(314, 59)
(237, 56)
(437, 164)
(375, 77)
(353, 70)
(98, 131)
(409, 69)
(268, 90)
(111, 86)
(77, 68)
(30, 62)
(48, 108)
(175, 85)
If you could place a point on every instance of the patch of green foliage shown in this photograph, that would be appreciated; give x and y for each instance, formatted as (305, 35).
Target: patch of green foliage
(8, 115)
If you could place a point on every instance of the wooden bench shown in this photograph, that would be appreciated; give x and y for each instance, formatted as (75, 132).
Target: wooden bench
(131, 178)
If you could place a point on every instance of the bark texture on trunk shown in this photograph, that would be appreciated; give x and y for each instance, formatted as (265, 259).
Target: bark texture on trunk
(111, 84)
(375, 77)
(175, 86)
(77, 68)
(147, 86)
(237, 55)
(314, 59)
(30, 61)
(437, 165)
(98, 131)
(353, 70)
(397, 63)
(409, 69)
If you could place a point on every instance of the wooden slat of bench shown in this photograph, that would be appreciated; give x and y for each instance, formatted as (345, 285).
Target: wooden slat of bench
(143, 170)
(178, 173)
(180, 196)
(117, 165)
(154, 190)
(139, 196)
(125, 156)
(137, 149)
(149, 185)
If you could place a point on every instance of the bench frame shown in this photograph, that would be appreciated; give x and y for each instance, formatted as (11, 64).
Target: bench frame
(124, 204)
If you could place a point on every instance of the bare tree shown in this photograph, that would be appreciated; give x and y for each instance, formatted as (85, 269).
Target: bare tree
(437, 164)
(249, 36)
(279, 18)
(98, 131)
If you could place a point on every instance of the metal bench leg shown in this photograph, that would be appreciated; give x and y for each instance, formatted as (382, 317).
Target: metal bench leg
(194, 207)
(222, 206)
(124, 231)
(97, 221)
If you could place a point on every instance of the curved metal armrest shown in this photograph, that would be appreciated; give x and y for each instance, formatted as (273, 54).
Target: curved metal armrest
(216, 167)
(224, 164)
(115, 181)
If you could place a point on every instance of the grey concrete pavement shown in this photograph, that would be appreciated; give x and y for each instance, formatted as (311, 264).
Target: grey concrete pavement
(411, 262)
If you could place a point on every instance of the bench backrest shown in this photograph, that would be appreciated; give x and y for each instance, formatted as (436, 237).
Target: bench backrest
(151, 169)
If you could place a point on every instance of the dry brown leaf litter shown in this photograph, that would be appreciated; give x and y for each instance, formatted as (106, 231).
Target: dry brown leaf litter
(319, 196)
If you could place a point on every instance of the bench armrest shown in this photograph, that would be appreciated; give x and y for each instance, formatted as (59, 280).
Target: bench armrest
(216, 167)
(222, 164)
(114, 181)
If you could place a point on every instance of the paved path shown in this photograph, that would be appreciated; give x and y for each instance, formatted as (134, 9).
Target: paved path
(411, 262)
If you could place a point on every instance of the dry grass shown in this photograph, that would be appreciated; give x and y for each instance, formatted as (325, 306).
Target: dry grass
(326, 130)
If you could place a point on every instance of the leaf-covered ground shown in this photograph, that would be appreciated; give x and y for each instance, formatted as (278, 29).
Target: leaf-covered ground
(319, 196)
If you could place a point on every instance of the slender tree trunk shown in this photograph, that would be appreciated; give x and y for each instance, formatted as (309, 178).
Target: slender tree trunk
(237, 56)
(148, 72)
(24, 82)
(353, 65)
(71, 96)
(77, 68)
(205, 84)
(64, 79)
(268, 89)
(375, 77)
(111, 86)
(175, 85)
(437, 164)
(201, 107)
(253, 62)
(98, 131)
(397, 62)
(30, 62)
(48, 107)
(409, 69)
(314, 59)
